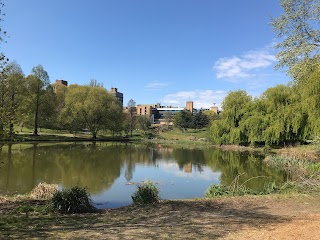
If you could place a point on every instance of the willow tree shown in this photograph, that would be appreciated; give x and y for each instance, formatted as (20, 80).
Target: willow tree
(256, 121)
(309, 90)
(298, 26)
(230, 128)
(286, 119)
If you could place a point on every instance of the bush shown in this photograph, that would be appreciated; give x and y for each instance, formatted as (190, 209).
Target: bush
(216, 190)
(44, 191)
(74, 200)
(146, 193)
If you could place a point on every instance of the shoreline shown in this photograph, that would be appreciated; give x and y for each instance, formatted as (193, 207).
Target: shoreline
(303, 152)
(247, 217)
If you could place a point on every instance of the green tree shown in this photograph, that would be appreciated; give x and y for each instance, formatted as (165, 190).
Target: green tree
(211, 115)
(74, 98)
(90, 107)
(255, 122)
(14, 87)
(37, 85)
(230, 129)
(131, 114)
(59, 92)
(286, 118)
(200, 120)
(183, 120)
(308, 89)
(299, 27)
(144, 123)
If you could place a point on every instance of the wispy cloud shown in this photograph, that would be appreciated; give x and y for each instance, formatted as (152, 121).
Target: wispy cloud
(155, 85)
(244, 66)
(200, 98)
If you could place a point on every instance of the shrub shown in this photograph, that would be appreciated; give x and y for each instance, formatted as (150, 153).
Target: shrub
(74, 200)
(44, 191)
(217, 190)
(146, 193)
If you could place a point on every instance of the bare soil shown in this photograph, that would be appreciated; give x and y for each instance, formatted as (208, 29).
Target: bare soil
(251, 217)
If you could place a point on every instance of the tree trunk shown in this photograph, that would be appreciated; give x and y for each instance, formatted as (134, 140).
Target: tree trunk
(11, 129)
(35, 132)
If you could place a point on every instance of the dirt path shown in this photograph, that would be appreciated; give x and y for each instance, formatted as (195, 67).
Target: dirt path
(257, 217)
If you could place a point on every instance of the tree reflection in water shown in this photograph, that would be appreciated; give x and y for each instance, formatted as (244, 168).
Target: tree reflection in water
(97, 166)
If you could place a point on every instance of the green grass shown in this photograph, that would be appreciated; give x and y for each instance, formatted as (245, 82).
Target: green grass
(26, 135)
(190, 134)
(190, 138)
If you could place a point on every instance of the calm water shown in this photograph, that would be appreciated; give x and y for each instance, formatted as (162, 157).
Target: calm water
(111, 171)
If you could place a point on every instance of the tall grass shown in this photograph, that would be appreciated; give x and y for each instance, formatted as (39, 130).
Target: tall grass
(237, 189)
(44, 191)
(304, 174)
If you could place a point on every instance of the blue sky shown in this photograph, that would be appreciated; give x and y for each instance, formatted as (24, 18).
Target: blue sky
(165, 51)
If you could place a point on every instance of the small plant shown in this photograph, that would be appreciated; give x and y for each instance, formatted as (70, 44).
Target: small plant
(146, 193)
(25, 209)
(74, 200)
(44, 191)
(217, 190)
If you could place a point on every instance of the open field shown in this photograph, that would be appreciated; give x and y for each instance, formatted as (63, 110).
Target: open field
(251, 217)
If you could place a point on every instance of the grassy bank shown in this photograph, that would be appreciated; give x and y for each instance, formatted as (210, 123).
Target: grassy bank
(191, 138)
(48, 135)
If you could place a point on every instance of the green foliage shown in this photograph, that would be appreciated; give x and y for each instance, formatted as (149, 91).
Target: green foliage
(230, 128)
(144, 123)
(298, 28)
(277, 117)
(216, 190)
(283, 114)
(309, 92)
(92, 108)
(183, 119)
(200, 120)
(146, 193)
(305, 174)
(12, 92)
(74, 200)
(38, 105)
(131, 116)
(221, 190)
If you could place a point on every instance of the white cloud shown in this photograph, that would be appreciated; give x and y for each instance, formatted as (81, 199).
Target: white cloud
(156, 85)
(200, 98)
(244, 66)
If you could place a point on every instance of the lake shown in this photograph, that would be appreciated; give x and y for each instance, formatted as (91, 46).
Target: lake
(111, 171)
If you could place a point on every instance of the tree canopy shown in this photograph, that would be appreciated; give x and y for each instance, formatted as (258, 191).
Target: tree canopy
(299, 30)
(90, 107)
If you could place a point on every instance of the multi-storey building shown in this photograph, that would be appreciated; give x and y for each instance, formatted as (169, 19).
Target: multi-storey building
(118, 95)
(161, 114)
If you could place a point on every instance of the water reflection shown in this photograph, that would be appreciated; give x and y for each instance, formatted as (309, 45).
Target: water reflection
(107, 168)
